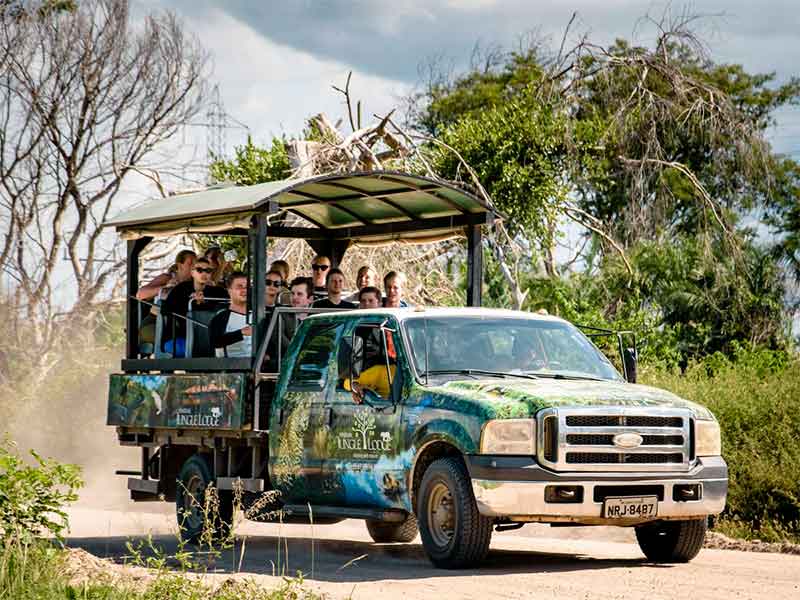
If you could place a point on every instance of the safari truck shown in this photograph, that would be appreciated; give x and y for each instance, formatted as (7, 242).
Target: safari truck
(450, 422)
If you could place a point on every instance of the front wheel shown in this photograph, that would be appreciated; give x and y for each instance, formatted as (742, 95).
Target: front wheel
(672, 541)
(454, 533)
(203, 516)
(385, 533)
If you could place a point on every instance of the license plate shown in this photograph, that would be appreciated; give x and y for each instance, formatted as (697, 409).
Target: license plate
(630, 507)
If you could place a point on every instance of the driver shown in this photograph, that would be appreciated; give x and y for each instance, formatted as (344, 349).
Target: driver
(526, 355)
(377, 378)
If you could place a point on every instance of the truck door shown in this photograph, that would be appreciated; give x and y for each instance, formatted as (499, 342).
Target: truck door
(296, 446)
(364, 465)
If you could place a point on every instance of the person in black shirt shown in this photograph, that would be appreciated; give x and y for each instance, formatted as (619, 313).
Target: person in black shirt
(176, 304)
(319, 269)
(334, 283)
(273, 285)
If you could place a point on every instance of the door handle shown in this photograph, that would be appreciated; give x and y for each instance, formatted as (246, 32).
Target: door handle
(328, 416)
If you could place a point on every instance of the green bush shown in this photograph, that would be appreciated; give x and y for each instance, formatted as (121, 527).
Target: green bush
(755, 395)
(33, 496)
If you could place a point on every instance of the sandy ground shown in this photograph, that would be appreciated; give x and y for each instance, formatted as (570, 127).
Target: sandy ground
(536, 561)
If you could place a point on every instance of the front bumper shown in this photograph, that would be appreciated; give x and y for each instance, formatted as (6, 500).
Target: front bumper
(515, 488)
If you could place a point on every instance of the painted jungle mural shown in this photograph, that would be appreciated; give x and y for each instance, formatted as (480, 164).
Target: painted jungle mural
(204, 401)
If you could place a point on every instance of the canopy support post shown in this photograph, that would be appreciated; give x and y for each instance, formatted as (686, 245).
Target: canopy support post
(474, 265)
(135, 248)
(257, 246)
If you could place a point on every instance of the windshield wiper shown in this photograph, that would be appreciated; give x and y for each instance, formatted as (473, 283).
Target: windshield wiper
(476, 372)
(574, 377)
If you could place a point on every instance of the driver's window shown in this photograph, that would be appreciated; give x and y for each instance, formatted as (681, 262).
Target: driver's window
(368, 360)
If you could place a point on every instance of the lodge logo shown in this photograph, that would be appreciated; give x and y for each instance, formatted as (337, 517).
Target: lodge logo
(186, 418)
(362, 436)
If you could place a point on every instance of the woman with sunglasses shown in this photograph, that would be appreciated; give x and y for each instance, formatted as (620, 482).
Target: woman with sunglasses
(199, 289)
(273, 284)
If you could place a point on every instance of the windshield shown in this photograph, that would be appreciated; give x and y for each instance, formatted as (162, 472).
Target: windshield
(503, 346)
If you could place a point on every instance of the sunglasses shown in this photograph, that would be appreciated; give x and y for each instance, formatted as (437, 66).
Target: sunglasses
(273, 283)
(320, 267)
(203, 270)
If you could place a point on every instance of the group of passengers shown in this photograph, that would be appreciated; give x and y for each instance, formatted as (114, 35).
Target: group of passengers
(197, 280)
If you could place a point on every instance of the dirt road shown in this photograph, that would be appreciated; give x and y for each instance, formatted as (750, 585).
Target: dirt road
(535, 562)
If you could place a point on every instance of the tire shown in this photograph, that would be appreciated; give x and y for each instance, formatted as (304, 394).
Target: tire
(196, 526)
(458, 536)
(385, 533)
(672, 541)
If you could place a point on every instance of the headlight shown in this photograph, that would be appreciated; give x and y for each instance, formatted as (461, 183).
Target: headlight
(707, 438)
(509, 436)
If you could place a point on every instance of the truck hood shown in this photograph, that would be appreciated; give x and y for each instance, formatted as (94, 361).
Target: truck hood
(514, 398)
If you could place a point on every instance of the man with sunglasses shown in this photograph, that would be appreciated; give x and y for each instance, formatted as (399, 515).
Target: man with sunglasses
(198, 289)
(273, 285)
(319, 272)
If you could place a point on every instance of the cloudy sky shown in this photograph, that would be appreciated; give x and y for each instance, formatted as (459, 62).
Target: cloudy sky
(275, 61)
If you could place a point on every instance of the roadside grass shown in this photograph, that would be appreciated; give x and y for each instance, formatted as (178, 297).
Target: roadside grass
(34, 565)
(37, 571)
(756, 398)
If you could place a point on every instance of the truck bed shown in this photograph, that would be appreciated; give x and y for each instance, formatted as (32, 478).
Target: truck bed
(210, 401)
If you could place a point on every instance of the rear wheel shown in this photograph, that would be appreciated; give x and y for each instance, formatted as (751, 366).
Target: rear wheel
(200, 518)
(455, 535)
(384, 533)
(672, 541)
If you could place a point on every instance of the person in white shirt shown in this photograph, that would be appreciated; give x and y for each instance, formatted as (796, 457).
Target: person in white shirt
(231, 332)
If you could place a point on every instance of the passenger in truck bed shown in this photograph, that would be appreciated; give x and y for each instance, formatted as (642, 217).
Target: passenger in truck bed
(176, 304)
(282, 267)
(231, 332)
(394, 283)
(334, 283)
(369, 297)
(366, 277)
(273, 285)
(160, 286)
(319, 269)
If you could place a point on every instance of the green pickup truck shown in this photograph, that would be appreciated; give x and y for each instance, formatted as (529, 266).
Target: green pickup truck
(447, 422)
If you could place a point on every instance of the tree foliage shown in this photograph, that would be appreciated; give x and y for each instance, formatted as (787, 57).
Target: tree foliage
(253, 164)
(656, 151)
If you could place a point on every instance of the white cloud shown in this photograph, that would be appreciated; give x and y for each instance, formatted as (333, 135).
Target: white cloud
(273, 88)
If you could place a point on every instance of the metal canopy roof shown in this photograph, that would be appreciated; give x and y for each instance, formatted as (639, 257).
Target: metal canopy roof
(372, 206)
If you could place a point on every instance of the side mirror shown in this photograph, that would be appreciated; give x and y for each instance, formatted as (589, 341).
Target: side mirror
(629, 360)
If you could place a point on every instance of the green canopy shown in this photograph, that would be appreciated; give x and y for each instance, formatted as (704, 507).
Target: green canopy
(369, 207)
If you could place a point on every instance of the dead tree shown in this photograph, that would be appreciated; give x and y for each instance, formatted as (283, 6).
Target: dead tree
(87, 98)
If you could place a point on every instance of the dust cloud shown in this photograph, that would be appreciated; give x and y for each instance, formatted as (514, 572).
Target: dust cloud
(65, 419)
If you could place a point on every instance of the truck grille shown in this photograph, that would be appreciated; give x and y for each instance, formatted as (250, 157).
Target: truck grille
(582, 439)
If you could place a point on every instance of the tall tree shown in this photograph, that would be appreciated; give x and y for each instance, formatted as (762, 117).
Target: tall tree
(88, 97)
(654, 140)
